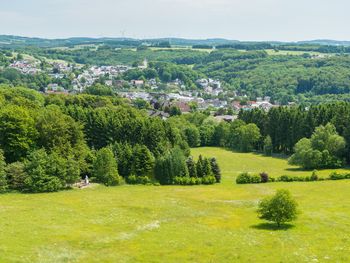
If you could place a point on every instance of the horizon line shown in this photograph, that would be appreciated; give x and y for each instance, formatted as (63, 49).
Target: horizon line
(170, 37)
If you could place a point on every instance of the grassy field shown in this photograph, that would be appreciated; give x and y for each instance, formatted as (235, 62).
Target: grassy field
(235, 163)
(176, 223)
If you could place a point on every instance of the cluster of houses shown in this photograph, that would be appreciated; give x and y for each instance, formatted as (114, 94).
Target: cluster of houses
(205, 83)
(89, 76)
(183, 100)
(25, 66)
(210, 86)
(261, 103)
(160, 101)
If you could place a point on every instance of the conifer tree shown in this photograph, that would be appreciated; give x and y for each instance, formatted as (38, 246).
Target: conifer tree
(143, 161)
(191, 166)
(215, 169)
(105, 168)
(200, 167)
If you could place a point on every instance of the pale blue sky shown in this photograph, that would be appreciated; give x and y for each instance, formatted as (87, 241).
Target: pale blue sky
(285, 20)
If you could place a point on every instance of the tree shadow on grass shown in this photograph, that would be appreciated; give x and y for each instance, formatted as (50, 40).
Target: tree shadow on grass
(272, 226)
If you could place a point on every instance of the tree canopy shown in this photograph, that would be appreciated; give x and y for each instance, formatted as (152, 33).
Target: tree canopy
(325, 149)
(279, 208)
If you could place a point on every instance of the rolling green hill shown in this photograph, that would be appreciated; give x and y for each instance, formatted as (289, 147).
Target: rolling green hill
(176, 223)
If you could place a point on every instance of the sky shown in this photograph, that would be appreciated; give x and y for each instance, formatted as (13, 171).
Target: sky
(246, 20)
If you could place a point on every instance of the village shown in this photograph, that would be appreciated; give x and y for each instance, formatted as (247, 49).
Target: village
(210, 94)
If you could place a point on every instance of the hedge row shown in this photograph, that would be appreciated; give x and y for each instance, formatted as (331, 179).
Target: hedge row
(179, 180)
(246, 178)
(185, 180)
(133, 179)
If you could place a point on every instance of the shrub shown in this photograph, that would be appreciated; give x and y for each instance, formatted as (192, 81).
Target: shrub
(300, 179)
(264, 177)
(271, 179)
(336, 176)
(209, 179)
(246, 178)
(285, 178)
(182, 180)
(133, 179)
(144, 180)
(16, 175)
(314, 176)
(243, 178)
(186, 180)
(255, 179)
(178, 180)
(193, 181)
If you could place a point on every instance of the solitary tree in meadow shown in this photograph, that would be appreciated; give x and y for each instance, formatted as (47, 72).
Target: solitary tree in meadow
(279, 208)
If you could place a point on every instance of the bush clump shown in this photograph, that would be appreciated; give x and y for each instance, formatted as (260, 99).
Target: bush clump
(133, 179)
(314, 176)
(246, 178)
(185, 180)
(243, 178)
(264, 177)
(209, 179)
(337, 176)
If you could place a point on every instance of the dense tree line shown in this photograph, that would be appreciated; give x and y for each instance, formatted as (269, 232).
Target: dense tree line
(48, 143)
(288, 125)
(9, 76)
(318, 135)
(315, 48)
(109, 55)
(246, 46)
(197, 129)
(284, 78)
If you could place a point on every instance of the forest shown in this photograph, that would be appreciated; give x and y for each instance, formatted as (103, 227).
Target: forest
(316, 137)
(48, 143)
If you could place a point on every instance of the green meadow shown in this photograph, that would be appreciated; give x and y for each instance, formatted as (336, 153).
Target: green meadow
(233, 164)
(216, 223)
